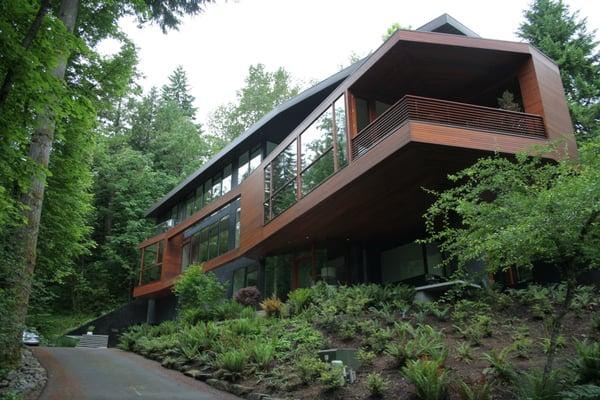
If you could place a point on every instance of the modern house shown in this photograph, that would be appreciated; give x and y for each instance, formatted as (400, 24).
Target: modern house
(329, 185)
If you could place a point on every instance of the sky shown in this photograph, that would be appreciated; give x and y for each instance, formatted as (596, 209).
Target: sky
(311, 39)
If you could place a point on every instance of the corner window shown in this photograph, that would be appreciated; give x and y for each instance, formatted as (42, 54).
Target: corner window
(151, 263)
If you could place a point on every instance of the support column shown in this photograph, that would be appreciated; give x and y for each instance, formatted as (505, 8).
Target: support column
(151, 312)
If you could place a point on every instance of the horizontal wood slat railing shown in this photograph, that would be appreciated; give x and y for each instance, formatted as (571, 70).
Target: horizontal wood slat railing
(445, 112)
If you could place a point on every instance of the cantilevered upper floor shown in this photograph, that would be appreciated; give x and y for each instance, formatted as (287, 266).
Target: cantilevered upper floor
(346, 159)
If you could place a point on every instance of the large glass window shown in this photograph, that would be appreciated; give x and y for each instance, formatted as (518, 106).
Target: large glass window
(223, 235)
(151, 263)
(217, 186)
(213, 241)
(339, 108)
(237, 228)
(226, 179)
(243, 167)
(255, 158)
(322, 148)
(207, 192)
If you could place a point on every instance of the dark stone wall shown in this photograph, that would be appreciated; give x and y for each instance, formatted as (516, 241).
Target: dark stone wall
(115, 322)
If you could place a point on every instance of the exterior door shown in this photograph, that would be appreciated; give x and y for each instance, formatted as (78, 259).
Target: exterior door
(302, 272)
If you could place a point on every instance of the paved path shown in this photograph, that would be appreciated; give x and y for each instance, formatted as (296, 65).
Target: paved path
(105, 374)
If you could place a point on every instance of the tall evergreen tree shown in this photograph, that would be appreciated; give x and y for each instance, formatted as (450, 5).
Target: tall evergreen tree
(554, 29)
(46, 60)
(177, 91)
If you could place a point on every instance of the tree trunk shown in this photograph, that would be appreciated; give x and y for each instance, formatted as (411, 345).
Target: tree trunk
(25, 238)
(25, 43)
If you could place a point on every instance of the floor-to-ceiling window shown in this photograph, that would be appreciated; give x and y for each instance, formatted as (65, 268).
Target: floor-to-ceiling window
(316, 154)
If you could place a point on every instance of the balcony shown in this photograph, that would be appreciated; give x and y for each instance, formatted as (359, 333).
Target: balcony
(448, 113)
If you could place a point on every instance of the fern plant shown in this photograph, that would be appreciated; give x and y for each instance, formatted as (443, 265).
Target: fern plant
(429, 377)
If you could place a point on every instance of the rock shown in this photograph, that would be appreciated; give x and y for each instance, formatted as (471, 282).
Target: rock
(239, 390)
(25, 380)
(203, 376)
(218, 384)
(258, 396)
(192, 372)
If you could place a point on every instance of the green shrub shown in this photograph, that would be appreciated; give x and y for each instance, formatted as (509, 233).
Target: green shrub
(430, 379)
(365, 356)
(398, 352)
(441, 313)
(475, 390)
(531, 386)
(63, 341)
(244, 327)
(379, 339)
(581, 392)
(263, 354)
(464, 352)
(199, 291)
(332, 377)
(129, 338)
(309, 368)
(377, 384)
(587, 363)
(500, 363)
(228, 309)
(234, 362)
(298, 300)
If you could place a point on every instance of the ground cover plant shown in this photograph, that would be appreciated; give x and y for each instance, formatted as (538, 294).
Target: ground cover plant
(406, 349)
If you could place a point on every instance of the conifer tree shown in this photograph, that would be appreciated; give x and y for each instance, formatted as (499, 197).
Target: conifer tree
(563, 36)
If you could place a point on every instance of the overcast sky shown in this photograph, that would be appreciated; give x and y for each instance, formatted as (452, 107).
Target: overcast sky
(310, 38)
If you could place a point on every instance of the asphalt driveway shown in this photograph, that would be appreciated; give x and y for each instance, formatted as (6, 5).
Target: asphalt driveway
(90, 374)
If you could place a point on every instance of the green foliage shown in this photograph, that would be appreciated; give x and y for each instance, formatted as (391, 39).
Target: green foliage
(200, 292)
(561, 342)
(475, 390)
(365, 356)
(377, 384)
(563, 36)
(332, 377)
(581, 392)
(233, 361)
(540, 212)
(263, 355)
(464, 352)
(298, 300)
(309, 368)
(531, 385)
(430, 379)
(587, 363)
(522, 347)
(500, 363)
(262, 92)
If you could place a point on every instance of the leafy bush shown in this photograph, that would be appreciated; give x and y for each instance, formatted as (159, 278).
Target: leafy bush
(365, 356)
(309, 368)
(376, 384)
(531, 386)
(263, 354)
(200, 292)
(248, 313)
(430, 379)
(272, 306)
(131, 336)
(332, 377)
(596, 324)
(228, 309)
(234, 362)
(244, 327)
(248, 296)
(587, 363)
(298, 300)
